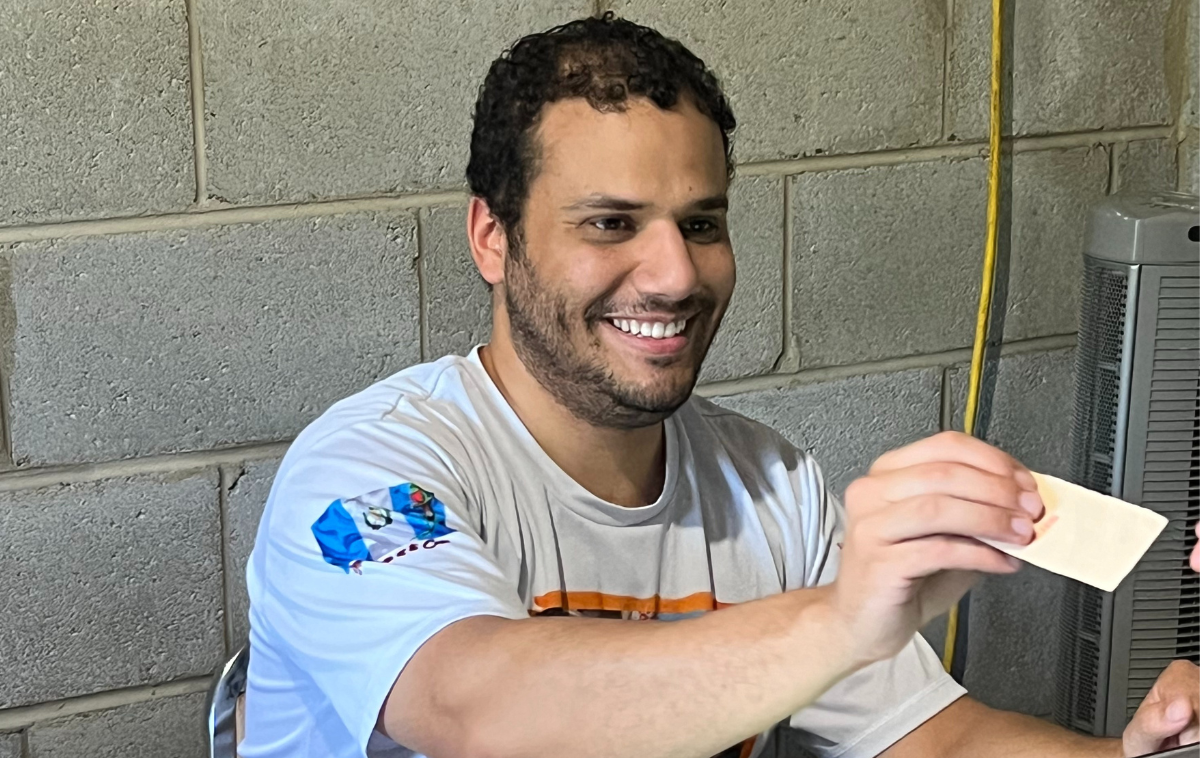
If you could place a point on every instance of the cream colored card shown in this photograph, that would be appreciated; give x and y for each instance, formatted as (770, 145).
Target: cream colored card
(1087, 536)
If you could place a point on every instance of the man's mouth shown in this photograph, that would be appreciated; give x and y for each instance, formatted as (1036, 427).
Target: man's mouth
(649, 329)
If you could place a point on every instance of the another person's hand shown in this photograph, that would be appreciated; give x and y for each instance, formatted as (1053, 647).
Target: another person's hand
(910, 548)
(1168, 716)
(1196, 551)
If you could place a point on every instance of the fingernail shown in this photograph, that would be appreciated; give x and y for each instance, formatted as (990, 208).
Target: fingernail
(1025, 480)
(1031, 503)
(1178, 710)
(1022, 527)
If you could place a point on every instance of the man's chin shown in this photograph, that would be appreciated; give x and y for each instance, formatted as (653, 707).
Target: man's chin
(660, 397)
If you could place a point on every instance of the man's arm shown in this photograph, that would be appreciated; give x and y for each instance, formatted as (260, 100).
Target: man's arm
(552, 687)
(969, 729)
(488, 686)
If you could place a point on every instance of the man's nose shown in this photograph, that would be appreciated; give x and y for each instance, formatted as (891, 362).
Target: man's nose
(665, 268)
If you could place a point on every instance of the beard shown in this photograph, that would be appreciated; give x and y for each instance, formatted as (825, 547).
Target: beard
(541, 322)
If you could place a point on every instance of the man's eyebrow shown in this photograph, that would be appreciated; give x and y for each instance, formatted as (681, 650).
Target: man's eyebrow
(611, 203)
(605, 202)
(714, 203)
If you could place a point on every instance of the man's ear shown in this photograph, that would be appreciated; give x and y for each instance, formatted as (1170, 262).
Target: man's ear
(489, 244)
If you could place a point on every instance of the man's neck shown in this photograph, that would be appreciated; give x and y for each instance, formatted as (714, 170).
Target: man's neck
(625, 467)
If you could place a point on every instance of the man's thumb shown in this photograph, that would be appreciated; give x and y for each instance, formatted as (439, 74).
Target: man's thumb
(1154, 723)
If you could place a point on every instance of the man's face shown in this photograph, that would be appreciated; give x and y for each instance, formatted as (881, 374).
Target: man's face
(623, 268)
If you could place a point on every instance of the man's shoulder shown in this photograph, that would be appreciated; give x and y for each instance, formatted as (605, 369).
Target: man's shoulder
(411, 424)
(391, 403)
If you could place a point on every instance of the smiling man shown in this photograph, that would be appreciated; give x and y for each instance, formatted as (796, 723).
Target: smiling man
(448, 560)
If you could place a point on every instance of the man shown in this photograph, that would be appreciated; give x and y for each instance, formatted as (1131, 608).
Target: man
(442, 555)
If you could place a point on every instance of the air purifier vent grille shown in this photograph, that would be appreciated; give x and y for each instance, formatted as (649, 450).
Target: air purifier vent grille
(1166, 593)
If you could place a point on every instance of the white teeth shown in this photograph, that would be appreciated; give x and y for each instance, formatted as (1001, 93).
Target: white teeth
(650, 329)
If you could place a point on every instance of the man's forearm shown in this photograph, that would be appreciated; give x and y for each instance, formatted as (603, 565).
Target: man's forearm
(590, 687)
(969, 729)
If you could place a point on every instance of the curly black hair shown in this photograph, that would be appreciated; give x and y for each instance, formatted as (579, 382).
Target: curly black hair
(605, 60)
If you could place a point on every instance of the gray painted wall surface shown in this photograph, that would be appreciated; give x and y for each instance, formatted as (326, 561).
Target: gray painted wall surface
(218, 217)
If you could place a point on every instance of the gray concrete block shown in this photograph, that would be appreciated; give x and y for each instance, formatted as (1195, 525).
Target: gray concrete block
(885, 261)
(848, 423)
(144, 343)
(751, 335)
(458, 305)
(811, 78)
(10, 745)
(96, 118)
(171, 727)
(316, 99)
(109, 584)
(244, 503)
(1032, 408)
(1053, 194)
(1145, 167)
(1012, 641)
(1077, 65)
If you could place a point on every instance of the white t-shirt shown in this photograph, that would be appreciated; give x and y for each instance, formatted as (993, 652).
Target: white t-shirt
(423, 500)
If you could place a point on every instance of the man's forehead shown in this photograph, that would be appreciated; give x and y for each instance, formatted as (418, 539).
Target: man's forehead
(633, 154)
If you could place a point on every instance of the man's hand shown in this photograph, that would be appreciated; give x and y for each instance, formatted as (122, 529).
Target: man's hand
(1168, 717)
(910, 548)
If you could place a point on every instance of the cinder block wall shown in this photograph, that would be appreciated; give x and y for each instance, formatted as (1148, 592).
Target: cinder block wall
(218, 217)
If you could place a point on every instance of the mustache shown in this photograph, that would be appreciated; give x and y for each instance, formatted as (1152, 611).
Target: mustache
(699, 303)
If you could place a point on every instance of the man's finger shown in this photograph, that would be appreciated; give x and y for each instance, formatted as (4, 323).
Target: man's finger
(956, 480)
(955, 447)
(930, 515)
(1156, 722)
(931, 555)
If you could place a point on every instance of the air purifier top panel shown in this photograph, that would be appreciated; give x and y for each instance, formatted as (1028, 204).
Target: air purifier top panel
(1152, 229)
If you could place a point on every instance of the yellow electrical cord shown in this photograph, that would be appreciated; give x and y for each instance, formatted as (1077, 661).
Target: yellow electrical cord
(989, 270)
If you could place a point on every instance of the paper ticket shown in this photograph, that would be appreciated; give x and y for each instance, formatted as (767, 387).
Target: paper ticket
(1087, 536)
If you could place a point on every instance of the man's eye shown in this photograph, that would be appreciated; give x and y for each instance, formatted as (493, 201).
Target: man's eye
(701, 229)
(610, 224)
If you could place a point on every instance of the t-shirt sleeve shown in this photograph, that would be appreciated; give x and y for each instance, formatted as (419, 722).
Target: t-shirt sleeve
(870, 710)
(367, 549)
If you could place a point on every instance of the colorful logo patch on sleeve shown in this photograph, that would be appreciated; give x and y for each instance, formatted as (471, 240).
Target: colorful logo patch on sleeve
(380, 527)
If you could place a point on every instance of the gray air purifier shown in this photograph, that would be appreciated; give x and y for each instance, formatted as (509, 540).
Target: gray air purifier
(1136, 435)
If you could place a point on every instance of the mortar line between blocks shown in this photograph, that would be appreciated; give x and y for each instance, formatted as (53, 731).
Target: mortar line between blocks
(946, 411)
(207, 217)
(943, 359)
(1114, 171)
(196, 80)
(223, 486)
(957, 150)
(422, 317)
(788, 303)
(6, 455)
(49, 476)
(27, 715)
(947, 36)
